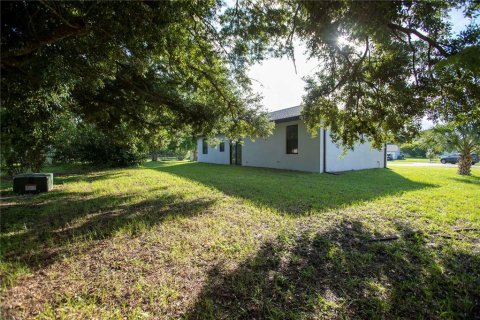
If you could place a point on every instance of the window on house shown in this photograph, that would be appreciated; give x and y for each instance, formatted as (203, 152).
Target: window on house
(222, 146)
(292, 139)
(204, 147)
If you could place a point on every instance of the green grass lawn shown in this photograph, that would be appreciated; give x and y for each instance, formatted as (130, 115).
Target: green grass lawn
(199, 241)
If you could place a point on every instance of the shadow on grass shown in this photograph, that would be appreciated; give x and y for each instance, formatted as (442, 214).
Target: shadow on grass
(37, 229)
(340, 274)
(467, 179)
(293, 192)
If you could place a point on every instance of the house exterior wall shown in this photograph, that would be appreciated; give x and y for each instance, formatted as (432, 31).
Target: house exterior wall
(361, 157)
(214, 155)
(394, 150)
(271, 152)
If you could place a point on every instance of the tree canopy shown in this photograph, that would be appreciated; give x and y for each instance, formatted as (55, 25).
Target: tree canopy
(181, 66)
(383, 65)
(145, 66)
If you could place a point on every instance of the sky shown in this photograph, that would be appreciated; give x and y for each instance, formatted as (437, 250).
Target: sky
(275, 79)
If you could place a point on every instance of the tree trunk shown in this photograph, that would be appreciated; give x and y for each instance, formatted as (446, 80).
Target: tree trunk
(464, 164)
(34, 160)
(195, 153)
(154, 155)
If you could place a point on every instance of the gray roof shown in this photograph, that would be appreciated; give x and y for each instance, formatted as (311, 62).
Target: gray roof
(287, 114)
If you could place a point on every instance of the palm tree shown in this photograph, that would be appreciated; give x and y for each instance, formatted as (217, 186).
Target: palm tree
(464, 139)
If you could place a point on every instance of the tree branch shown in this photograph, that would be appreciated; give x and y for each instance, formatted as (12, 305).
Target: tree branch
(211, 29)
(414, 63)
(15, 57)
(355, 68)
(420, 35)
(212, 82)
(57, 13)
(290, 37)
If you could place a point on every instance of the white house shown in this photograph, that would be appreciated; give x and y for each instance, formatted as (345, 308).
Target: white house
(292, 147)
(393, 150)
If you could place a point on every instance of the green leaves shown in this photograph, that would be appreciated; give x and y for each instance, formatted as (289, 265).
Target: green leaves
(468, 59)
(461, 138)
(384, 66)
(181, 67)
(145, 66)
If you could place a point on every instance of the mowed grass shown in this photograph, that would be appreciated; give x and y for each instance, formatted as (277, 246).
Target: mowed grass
(198, 241)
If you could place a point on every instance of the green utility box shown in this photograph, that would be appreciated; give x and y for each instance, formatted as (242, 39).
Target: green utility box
(33, 182)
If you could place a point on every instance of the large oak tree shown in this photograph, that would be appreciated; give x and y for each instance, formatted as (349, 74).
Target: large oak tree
(383, 65)
(180, 65)
(139, 65)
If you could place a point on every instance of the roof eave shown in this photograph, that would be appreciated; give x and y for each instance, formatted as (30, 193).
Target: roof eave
(287, 119)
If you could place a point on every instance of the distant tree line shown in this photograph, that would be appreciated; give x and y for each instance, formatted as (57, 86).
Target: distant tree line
(414, 149)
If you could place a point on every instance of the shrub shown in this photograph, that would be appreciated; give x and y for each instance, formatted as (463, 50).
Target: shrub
(86, 143)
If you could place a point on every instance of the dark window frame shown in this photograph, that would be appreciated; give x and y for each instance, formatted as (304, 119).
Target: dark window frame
(204, 146)
(221, 146)
(292, 141)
